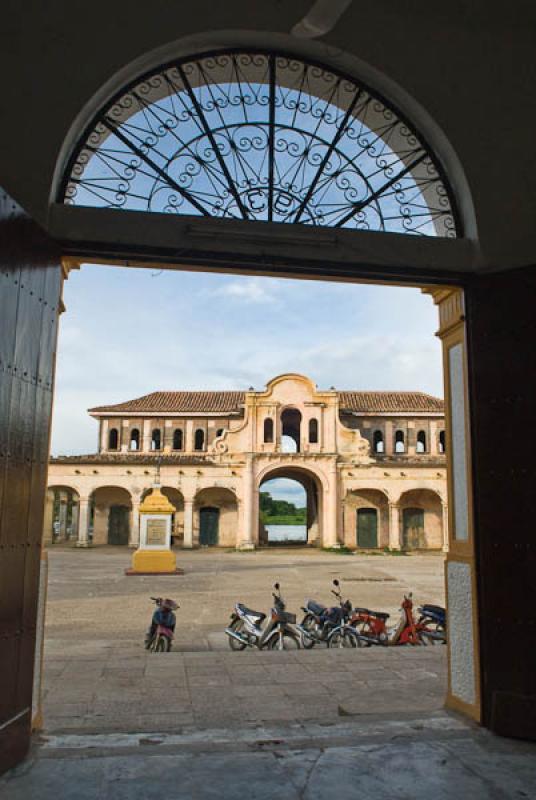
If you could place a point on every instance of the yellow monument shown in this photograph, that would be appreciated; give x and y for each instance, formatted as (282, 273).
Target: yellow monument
(154, 554)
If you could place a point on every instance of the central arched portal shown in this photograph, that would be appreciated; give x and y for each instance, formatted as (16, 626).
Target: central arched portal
(290, 506)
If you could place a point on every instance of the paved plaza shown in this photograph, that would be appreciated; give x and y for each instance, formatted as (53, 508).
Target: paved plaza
(98, 677)
(204, 722)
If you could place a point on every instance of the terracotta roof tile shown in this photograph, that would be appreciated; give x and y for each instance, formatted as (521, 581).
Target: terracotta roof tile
(390, 402)
(229, 402)
(183, 402)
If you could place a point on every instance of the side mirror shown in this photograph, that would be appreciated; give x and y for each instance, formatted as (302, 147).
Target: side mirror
(276, 586)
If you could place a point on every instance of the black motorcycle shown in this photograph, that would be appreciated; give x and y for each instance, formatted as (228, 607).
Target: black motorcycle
(319, 621)
(434, 618)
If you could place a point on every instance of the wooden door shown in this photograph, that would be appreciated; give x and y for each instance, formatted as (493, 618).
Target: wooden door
(209, 519)
(118, 525)
(367, 527)
(30, 288)
(413, 536)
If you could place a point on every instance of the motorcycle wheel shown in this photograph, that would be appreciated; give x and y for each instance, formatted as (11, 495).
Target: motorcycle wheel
(284, 641)
(344, 638)
(162, 645)
(308, 622)
(234, 644)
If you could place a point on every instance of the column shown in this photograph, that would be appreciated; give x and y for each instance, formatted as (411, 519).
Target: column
(445, 510)
(188, 540)
(331, 509)
(83, 519)
(394, 526)
(146, 437)
(48, 518)
(104, 436)
(135, 524)
(246, 539)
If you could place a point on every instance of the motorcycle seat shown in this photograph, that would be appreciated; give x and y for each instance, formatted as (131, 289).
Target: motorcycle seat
(249, 611)
(316, 608)
(429, 609)
(380, 614)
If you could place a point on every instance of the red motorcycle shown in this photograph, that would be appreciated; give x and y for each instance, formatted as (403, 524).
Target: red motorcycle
(371, 626)
(161, 631)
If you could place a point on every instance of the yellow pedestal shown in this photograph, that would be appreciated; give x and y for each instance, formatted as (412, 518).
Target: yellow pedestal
(153, 561)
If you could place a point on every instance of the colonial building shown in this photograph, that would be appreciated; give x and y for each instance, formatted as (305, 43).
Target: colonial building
(372, 465)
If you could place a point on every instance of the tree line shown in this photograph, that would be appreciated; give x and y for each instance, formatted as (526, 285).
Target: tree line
(280, 511)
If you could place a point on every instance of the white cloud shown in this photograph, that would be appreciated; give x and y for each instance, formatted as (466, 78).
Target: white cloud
(250, 290)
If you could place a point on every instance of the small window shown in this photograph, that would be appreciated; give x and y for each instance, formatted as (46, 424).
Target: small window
(113, 439)
(313, 431)
(134, 439)
(268, 430)
(177, 439)
(219, 432)
(442, 445)
(156, 439)
(400, 445)
(377, 442)
(421, 442)
(199, 439)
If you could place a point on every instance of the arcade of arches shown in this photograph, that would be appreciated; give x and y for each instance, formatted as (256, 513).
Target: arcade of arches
(363, 489)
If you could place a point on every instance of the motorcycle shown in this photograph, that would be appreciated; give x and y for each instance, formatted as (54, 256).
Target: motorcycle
(432, 624)
(162, 637)
(371, 626)
(246, 628)
(320, 622)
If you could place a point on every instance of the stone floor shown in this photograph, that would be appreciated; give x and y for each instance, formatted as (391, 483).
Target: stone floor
(428, 757)
(98, 677)
(204, 723)
(167, 691)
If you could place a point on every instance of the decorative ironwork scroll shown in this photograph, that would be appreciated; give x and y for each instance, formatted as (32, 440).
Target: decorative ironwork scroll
(261, 136)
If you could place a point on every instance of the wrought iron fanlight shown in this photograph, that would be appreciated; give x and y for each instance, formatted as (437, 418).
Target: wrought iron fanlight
(260, 136)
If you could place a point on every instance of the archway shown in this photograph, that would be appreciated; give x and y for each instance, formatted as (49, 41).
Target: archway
(291, 430)
(215, 517)
(366, 519)
(278, 528)
(62, 508)
(110, 516)
(422, 520)
(260, 136)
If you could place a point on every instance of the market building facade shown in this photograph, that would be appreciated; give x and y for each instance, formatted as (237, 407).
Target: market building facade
(372, 465)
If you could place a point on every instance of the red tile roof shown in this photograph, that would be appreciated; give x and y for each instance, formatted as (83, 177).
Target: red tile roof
(175, 402)
(390, 402)
(231, 402)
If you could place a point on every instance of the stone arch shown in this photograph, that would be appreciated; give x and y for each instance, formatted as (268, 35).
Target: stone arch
(421, 519)
(222, 523)
(110, 513)
(315, 485)
(357, 502)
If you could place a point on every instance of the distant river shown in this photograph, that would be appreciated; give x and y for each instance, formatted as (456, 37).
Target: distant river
(287, 533)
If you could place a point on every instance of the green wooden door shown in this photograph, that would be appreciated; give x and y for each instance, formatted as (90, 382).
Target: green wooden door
(118, 525)
(413, 537)
(209, 519)
(367, 527)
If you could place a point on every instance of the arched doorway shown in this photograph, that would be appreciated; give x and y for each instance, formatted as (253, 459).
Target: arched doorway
(215, 517)
(110, 516)
(297, 484)
(366, 519)
(422, 520)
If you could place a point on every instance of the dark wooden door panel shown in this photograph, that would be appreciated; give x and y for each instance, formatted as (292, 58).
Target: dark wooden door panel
(30, 286)
(501, 315)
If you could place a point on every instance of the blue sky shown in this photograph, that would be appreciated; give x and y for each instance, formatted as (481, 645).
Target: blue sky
(127, 332)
